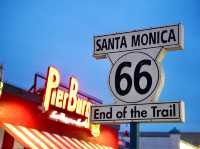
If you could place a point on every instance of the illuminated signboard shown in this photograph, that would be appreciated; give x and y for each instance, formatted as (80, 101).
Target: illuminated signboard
(67, 101)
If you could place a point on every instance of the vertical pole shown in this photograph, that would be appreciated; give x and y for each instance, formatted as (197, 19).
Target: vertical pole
(134, 135)
(35, 84)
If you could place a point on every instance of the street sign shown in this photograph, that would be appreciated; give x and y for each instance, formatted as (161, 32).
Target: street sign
(168, 37)
(134, 77)
(148, 112)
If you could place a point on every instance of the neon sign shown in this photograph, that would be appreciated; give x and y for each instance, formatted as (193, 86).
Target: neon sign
(61, 117)
(66, 100)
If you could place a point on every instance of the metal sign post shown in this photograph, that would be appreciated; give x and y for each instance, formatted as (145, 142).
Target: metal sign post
(136, 77)
(134, 135)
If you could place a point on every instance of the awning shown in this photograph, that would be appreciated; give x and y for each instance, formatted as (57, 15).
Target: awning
(32, 138)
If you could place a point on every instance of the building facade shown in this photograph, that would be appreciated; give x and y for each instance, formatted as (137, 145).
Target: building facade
(31, 119)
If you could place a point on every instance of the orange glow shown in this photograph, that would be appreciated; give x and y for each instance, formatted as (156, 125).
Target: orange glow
(53, 80)
(21, 136)
(107, 147)
(95, 130)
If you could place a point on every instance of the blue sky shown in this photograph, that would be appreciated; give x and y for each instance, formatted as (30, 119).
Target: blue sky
(36, 34)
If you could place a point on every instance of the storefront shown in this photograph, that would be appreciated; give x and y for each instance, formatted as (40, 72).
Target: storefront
(51, 116)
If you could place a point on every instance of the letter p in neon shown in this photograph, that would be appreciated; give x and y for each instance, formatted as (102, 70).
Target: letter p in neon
(53, 80)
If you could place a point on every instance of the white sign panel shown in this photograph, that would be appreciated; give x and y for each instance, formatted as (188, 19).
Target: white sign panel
(150, 112)
(168, 37)
(134, 77)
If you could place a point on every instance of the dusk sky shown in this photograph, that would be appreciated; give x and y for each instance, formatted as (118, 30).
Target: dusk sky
(35, 34)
